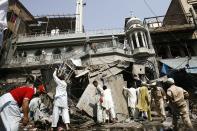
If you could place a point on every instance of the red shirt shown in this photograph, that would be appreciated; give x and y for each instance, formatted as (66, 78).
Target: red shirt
(21, 93)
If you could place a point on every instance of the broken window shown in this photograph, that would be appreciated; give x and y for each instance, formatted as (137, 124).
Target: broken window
(69, 48)
(37, 55)
(56, 53)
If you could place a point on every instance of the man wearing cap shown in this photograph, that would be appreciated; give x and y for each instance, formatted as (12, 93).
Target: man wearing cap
(12, 101)
(159, 95)
(143, 104)
(60, 102)
(176, 96)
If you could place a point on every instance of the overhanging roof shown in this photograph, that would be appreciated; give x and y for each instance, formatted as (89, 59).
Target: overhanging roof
(178, 63)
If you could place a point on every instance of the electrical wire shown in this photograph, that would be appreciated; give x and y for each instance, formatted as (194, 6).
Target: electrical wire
(173, 35)
(149, 7)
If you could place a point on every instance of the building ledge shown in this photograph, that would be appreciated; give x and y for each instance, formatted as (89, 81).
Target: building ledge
(42, 60)
(143, 52)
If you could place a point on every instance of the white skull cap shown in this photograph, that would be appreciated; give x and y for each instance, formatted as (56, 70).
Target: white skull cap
(153, 84)
(143, 83)
(170, 81)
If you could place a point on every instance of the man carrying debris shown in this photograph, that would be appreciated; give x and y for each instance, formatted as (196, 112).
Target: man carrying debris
(159, 96)
(108, 104)
(99, 95)
(132, 101)
(143, 104)
(176, 96)
(60, 102)
(12, 101)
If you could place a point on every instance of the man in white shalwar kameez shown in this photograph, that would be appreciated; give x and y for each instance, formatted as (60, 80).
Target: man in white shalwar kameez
(99, 100)
(108, 104)
(9, 113)
(132, 101)
(60, 101)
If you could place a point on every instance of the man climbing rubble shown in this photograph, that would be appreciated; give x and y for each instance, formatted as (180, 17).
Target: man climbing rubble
(159, 96)
(60, 102)
(132, 101)
(12, 101)
(176, 96)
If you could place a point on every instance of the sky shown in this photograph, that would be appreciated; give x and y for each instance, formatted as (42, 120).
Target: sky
(100, 14)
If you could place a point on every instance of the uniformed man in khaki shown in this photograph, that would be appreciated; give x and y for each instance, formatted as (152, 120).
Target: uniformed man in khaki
(176, 96)
(159, 96)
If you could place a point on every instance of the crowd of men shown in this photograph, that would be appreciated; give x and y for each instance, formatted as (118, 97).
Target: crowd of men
(140, 99)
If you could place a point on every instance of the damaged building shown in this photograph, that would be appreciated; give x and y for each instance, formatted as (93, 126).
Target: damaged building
(149, 49)
(174, 41)
(114, 55)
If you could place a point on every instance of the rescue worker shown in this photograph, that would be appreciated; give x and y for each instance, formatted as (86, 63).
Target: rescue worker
(132, 101)
(12, 101)
(108, 105)
(99, 100)
(143, 104)
(176, 96)
(159, 96)
(60, 102)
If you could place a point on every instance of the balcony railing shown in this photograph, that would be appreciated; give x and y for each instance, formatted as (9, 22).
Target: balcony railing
(59, 58)
(159, 21)
(37, 60)
(47, 36)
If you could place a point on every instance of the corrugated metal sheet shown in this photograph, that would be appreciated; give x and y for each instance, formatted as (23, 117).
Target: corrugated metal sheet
(178, 63)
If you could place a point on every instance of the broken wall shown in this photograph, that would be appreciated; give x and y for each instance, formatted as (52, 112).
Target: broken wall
(88, 99)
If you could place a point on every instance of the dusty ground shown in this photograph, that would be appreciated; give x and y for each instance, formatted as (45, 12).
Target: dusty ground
(155, 125)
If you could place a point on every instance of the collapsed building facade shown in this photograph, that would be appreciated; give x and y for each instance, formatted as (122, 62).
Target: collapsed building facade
(36, 45)
(114, 55)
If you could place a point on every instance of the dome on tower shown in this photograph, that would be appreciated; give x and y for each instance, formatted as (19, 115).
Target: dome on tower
(134, 22)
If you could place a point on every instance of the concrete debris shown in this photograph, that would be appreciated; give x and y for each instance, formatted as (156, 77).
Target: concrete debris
(76, 62)
(115, 83)
(82, 73)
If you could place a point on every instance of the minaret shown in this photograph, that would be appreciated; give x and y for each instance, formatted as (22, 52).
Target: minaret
(79, 17)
